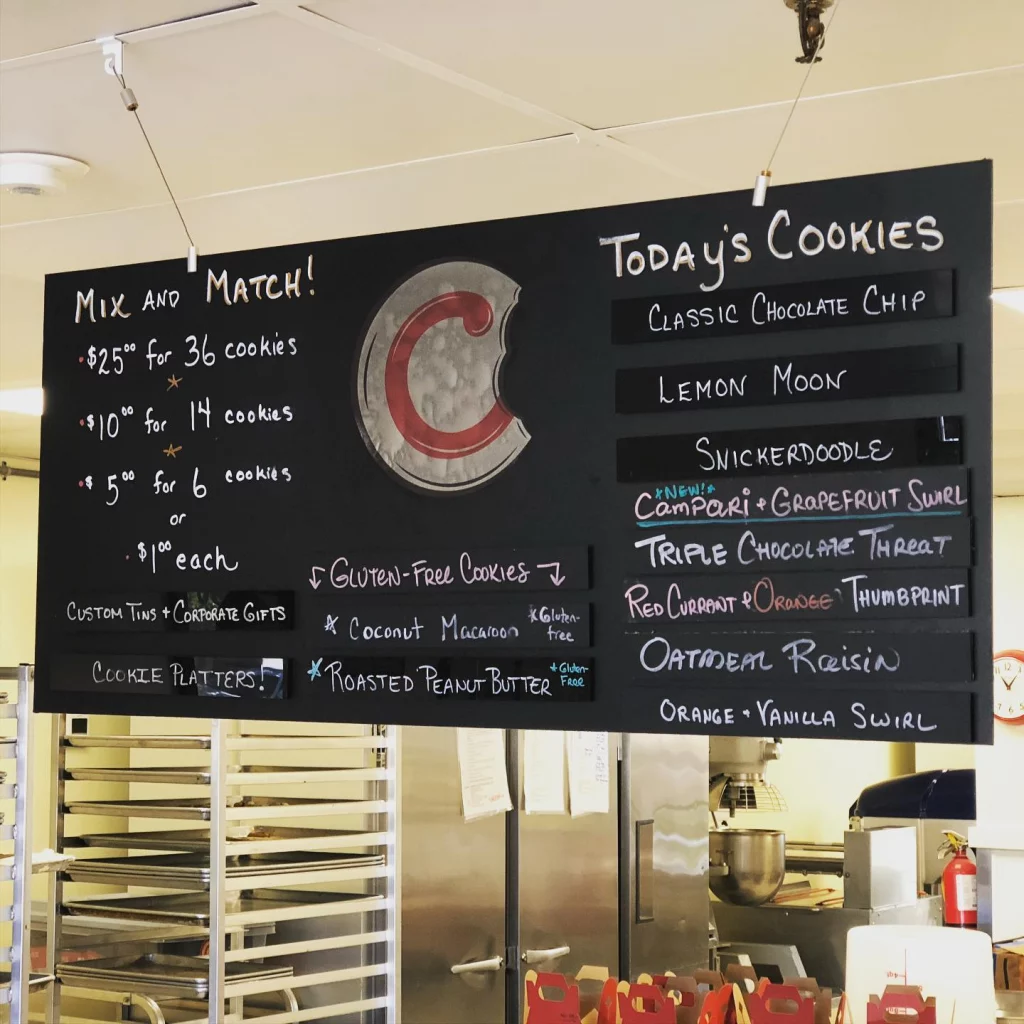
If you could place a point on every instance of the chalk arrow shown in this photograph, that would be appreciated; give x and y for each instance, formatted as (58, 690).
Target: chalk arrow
(556, 577)
(314, 580)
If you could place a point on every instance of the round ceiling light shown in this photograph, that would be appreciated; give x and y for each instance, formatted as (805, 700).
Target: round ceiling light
(36, 174)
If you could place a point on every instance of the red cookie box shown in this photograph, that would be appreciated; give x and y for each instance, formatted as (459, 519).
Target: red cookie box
(739, 997)
(900, 1004)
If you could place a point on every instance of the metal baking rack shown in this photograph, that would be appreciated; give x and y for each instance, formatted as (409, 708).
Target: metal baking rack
(284, 859)
(17, 979)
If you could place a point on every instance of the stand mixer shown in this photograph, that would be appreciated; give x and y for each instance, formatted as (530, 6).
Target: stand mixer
(747, 866)
(736, 770)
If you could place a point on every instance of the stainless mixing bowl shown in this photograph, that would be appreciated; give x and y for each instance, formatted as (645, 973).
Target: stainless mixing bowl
(747, 865)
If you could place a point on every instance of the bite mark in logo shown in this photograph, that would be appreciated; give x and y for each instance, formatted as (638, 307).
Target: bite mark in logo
(429, 400)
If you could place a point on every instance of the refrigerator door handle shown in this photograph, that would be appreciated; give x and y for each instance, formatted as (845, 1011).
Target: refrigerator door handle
(539, 956)
(645, 871)
(492, 963)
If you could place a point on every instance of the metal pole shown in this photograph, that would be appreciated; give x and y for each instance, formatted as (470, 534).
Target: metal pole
(513, 996)
(54, 921)
(218, 855)
(21, 929)
(392, 791)
(236, 940)
(6, 471)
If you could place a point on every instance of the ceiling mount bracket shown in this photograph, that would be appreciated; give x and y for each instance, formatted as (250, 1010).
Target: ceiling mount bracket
(113, 56)
(812, 32)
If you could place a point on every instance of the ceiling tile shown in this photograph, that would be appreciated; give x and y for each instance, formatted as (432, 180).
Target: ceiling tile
(604, 63)
(858, 133)
(291, 103)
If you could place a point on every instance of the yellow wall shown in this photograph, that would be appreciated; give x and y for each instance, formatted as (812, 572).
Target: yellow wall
(19, 499)
(19, 502)
(819, 779)
(1001, 766)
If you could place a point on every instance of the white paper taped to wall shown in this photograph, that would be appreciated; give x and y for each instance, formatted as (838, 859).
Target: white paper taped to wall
(588, 772)
(544, 772)
(483, 772)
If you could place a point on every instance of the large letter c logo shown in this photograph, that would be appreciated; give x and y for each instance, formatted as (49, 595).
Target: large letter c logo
(428, 378)
(477, 318)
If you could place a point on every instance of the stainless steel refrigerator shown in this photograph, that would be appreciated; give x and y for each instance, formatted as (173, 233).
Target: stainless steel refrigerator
(496, 896)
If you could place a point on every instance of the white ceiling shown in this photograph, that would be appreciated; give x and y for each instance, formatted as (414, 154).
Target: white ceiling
(280, 123)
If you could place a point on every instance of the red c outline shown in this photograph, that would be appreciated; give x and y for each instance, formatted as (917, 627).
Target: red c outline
(477, 318)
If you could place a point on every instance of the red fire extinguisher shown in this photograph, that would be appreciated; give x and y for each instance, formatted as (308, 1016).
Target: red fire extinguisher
(959, 884)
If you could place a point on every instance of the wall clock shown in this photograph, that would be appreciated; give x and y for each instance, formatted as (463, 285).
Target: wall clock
(1008, 682)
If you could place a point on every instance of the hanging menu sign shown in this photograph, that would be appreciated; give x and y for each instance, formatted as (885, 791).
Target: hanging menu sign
(444, 477)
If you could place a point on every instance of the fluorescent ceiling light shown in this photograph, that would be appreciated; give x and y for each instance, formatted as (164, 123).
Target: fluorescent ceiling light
(1013, 298)
(28, 401)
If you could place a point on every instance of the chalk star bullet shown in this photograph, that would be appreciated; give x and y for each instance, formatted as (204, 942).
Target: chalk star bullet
(314, 669)
(173, 382)
(172, 450)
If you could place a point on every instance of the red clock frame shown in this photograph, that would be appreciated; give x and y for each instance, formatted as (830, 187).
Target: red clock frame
(1001, 687)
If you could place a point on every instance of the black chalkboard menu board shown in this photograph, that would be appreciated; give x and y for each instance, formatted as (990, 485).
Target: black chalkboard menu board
(677, 466)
